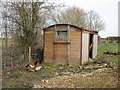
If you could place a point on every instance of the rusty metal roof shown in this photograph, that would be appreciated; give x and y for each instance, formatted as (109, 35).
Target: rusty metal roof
(81, 28)
(89, 29)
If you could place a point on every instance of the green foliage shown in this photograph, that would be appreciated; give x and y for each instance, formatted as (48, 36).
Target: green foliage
(111, 58)
(108, 47)
(105, 47)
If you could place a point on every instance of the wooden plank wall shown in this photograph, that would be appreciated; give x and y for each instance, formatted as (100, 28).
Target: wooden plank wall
(60, 53)
(75, 46)
(85, 44)
(95, 43)
(48, 49)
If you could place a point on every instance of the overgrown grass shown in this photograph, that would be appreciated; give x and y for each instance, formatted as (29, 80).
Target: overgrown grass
(111, 58)
(19, 78)
(108, 47)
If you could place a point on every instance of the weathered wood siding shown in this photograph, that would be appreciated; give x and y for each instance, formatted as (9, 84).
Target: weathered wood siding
(60, 53)
(73, 51)
(95, 43)
(75, 46)
(85, 44)
(48, 48)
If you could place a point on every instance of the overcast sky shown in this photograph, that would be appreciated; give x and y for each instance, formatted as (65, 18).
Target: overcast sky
(108, 10)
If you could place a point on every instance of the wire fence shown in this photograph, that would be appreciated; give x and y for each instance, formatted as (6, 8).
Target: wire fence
(14, 56)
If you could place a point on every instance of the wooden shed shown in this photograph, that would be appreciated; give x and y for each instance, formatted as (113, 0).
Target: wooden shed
(69, 44)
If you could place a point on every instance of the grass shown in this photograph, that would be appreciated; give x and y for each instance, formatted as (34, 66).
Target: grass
(108, 47)
(105, 47)
(111, 58)
(19, 78)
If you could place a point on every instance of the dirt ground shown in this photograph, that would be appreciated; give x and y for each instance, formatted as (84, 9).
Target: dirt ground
(93, 75)
(101, 78)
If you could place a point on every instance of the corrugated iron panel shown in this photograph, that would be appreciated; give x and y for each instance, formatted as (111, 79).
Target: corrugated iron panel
(95, 43)
(89, 29)
(85, 43)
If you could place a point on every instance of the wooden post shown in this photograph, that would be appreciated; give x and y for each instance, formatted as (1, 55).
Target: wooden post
(29, 54)
(11, 62)
(43, 38)
(26, 54)
(68, 46)
(81, 49)
(55, 33)
(68, 33)
(55, 36)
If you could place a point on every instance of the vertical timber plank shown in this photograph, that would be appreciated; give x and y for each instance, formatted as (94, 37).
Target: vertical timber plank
(68, 45)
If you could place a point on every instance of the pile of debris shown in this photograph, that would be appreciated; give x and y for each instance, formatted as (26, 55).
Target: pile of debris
(111, 53)
(33, 66)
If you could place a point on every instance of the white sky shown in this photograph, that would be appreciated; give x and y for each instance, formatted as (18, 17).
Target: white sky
(107, 9)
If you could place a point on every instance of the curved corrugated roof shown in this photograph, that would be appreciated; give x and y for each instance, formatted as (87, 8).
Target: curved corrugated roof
(81, 28)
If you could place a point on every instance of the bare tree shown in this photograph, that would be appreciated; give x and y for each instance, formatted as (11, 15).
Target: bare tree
(72, 15)
(94, 21)
(79, 17)
(28, 19)
(4, 29)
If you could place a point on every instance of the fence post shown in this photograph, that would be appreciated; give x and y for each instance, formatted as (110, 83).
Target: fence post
(29, 54)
